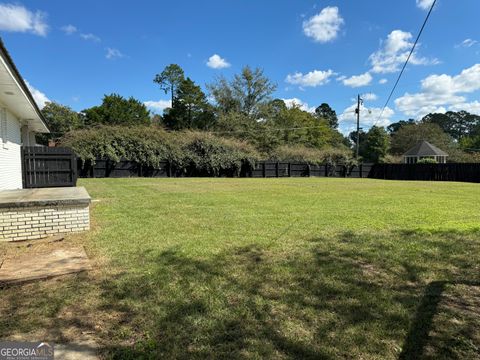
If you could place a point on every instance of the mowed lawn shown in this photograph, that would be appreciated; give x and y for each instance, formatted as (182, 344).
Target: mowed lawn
(267, 268)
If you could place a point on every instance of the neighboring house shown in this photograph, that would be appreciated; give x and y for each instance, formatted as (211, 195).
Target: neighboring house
(20, 119)
(424, 150)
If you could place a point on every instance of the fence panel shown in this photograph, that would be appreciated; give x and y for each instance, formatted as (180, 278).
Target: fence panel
(48, 167)
(427, 172)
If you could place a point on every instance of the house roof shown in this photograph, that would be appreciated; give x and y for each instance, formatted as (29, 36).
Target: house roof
(14, 94)
(424, 148)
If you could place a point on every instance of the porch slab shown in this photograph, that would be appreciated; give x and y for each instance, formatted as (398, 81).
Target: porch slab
(58, 196)
(37, 213)
(44, 265)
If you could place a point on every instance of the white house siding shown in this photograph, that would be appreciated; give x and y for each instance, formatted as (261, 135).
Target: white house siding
(10, 151)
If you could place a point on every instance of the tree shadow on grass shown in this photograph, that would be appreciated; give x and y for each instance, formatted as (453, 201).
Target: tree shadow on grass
(445, 343)
(349, 295)
(247, 303)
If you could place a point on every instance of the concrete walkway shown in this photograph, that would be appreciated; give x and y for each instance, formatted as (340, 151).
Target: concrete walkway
(80, 351)
(43, 265)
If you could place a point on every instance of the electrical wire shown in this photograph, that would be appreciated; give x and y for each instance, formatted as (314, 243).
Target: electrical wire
(406, 62)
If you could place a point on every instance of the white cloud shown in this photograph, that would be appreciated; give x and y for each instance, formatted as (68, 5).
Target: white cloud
(113, 54)
(424, 4)
(313, 78)
(40, 98)
(158, 106)
(369, 97)
(358, 80)
(217, 62)
(69, 29)
(382, 81)
(290, 103)
(467, 43)
(368, 117)
(441, 92)
(394, 52)
(17, 18)
(324, 26)
(91, 37)
(472, 107)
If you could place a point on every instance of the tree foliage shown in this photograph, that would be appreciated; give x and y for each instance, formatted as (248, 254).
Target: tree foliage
(457, 124)
(409, 135)
(170, 79)
(190, 109)
(60, 120)
(324, 111)
(376, 145)
(117, 110)
(245, 93)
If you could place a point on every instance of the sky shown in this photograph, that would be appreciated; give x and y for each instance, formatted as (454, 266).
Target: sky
(75, 52)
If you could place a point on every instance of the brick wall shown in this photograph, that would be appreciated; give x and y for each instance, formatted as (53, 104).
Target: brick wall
(26, 223)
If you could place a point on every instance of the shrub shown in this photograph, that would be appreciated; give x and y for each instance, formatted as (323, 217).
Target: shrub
(143, 144)
(427, 161)
(193, 153)
(330, 156)
(205, 154)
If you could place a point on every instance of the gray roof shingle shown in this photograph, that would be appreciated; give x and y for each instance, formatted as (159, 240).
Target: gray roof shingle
(424, 148)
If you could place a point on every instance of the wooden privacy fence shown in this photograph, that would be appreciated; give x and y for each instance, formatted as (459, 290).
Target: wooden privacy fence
(428, 172)
(267, 169)
(48, 167)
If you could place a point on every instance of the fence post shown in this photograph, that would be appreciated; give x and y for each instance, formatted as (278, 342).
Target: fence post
(276, 170)
(309, 170)
(264, 170)
(326, 169)
(22, 150)
(360, 170)
(289, 169)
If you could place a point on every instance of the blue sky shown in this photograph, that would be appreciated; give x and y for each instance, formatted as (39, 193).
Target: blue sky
(74, 52)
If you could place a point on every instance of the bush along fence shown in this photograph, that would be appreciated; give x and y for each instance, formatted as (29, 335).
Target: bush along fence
(262, 169)
(428, 172)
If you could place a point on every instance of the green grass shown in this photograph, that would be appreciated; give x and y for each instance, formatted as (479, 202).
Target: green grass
(269, 268)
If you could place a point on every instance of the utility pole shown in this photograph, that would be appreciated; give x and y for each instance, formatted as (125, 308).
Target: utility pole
(357, 111)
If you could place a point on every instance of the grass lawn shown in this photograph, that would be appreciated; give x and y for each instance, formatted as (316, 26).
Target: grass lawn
(267, 268)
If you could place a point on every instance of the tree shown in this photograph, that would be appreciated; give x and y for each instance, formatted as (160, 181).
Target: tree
(301, 127)
(170, 79)
(116, 110)
(245, 93)
(60, 120)
(394, 127)
(407, 136)
(352, 137)
(324, 111)
(376, 144)
(456, 124)
(190, 108)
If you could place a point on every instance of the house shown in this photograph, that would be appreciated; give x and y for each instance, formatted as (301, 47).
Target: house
(20, 119)
(27, 214)
(424, 150)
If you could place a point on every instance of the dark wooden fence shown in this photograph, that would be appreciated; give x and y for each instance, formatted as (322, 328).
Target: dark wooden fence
(273, 169)
(48, 167)
(266, 169)
(428, 172)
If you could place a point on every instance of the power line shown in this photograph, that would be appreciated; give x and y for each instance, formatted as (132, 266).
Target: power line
(406, 62)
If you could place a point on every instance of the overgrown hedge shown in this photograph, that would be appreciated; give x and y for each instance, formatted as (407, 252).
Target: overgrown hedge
(190, 153)
(331, 156)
